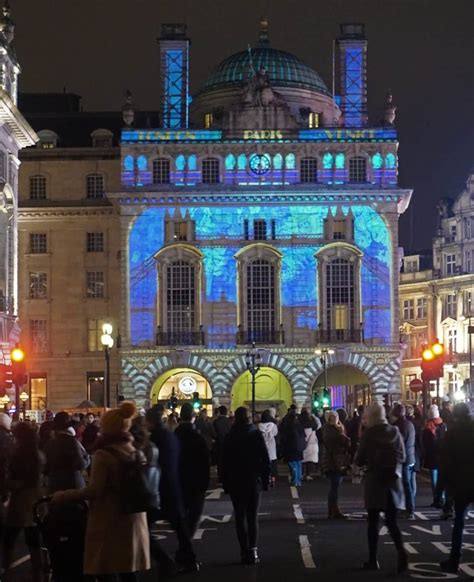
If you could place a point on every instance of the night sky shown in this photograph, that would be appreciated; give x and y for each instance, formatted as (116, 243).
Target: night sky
(422, 49)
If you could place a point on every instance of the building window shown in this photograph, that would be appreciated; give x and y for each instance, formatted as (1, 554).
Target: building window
(452, 383)
(309, 170)
(181, 296)
(47, 139)
(468, 261)
(95, 186)
(246, 229)
(421, 308)
(38, 336)
(38, 188)
(450, 264)
(95, 284)
(358, 169)
(340, 299)
(38, 392)
(260, 229)
(450, 306)
(468, 305)
(95, 388)
(452, 340)
(161, 171)
(261, 312)
(94, 333)
(453, 232)
(38, 243)
(273, 228)
(38, 285)
(210, 171)
(95, 242)
(468, 227)
(179, 228)
(208, 119)
(102, 138)
(339, 229)
(408, 309)
(313, 119)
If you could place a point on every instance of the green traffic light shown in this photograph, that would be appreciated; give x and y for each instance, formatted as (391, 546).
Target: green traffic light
(325, 401)
(196, 405)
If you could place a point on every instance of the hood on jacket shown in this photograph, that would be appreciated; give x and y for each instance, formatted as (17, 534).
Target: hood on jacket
(266, 427)
(383, 433)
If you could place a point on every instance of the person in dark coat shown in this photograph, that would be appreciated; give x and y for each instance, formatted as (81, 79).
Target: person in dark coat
(354, 428)
(205, 427)
(382, 452)
(222, 426)
(6, 452)
(407, 430)
(293, 444)
(66, 458)
(170, 492)
(246, 472)
(431, 437)
(335, 460)
(457, 470)
(193, 467)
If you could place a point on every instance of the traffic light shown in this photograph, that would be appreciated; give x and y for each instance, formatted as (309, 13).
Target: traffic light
(5, 378)
(18, 367)
(326, 399)
(432, 361)
(316, 402)
(196, 401)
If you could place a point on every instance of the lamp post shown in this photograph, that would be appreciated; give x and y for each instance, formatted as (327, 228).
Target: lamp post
(253, 360)
(24, 397)
(324, 353)
(4, 401)
(108, 342)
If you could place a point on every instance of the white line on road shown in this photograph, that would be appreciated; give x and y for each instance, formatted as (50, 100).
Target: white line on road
(294, 492)
(20, 561)
(306, 552)
(298, 513)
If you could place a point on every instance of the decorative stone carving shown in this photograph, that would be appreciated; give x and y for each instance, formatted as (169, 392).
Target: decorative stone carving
(390, 110)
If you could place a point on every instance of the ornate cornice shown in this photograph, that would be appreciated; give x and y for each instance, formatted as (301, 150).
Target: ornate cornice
(61, 212)
(10, 116)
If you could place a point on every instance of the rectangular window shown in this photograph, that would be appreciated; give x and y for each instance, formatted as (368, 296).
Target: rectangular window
(260, 230)
(468, 305)
(180, 230)
(94, 333)
(309, 170)
(38, 336)
(358, 170)
(95, 388)
(161, 171)
(38, 243)
(408, 309)
(95, 284)
(339, 229)
(38, 392)
(246, 229)
(210, 171)
(273, 228)
(450, 264)
(95, 186)
(450, 305)
(452, 383)
(421, 308)
(313, 119)
(468, 261)
(453, 232)
(452, 341)
(95, 242)
(38, 285)
(38, 188)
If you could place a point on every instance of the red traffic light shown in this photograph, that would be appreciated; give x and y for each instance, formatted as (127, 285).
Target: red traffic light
(17, 355)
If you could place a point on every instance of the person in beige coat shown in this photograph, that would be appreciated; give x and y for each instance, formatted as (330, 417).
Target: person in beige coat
(116, 542)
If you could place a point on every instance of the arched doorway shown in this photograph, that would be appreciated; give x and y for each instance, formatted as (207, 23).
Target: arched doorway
(348, 386)
(271, 389)
(182, 383)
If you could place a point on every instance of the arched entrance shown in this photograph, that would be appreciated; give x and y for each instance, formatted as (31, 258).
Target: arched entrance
(348, 386)
(182, 383)
(271, 389)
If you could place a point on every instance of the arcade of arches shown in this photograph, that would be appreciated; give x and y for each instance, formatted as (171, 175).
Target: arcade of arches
(347, 385)
(182, 383)
(271, 389)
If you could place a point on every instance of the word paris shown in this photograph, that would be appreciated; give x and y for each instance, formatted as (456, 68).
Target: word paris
(263, 134)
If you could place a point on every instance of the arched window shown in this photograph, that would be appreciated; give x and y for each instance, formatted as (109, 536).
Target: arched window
(277, 161)
(128, 163)
(230, 162)
(309, 170)
(358, 169)
(95, 186)
(290, 162)
(377, 161)
(340, 161)
(259, 267)
(327, 161)
(142, 163)
(179, 272)
(339, 292)
(38, 189)
(390, 161)
(242, 162)
(161, 171)
(210, 171)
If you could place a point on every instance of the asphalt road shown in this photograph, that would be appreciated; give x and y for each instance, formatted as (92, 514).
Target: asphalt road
(297, 542)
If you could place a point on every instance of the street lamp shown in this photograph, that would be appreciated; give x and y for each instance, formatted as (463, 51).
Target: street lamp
(253, 361)
(107, 341)
(4, 401)
(24, 397)
(324, 353)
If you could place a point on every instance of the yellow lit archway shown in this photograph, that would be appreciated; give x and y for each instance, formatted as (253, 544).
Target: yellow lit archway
(348, 386)
(271, 389)
(182, 383)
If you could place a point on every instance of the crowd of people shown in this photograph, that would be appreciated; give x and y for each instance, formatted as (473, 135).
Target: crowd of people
(130, 470)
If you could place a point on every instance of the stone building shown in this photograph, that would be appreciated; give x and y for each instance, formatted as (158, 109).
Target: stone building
(265, 213)
(436, 296)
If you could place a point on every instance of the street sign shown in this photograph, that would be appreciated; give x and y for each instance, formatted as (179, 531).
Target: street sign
(416, 385)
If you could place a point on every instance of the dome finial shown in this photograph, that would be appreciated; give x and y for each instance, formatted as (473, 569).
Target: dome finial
(263, 34)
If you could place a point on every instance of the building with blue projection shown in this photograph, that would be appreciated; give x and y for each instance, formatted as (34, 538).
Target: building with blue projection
(262, 215)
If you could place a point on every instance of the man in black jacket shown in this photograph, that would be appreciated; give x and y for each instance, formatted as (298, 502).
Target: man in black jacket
(245, 472)
(222, 426)
(193, 467)
(407, 430)
(457, 471)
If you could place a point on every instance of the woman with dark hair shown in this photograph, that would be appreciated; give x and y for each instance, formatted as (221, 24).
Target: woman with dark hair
(24, 485)
(245, 472)
(269, 430)
(293, 443)
(335, 460)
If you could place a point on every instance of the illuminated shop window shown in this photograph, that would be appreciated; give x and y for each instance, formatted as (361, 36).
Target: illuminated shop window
(38, 392)
(161, 171)
(327, 161)
(95, 186)
(230, 162)
(208, 119)
(358, 169)
(377, 161)
(313, 119)
(38, 188)
(290, 162)
(390, 161)
(340, 161)
(309, 170)
(210, 171)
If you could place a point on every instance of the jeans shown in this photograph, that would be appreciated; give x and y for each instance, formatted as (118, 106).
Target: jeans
(392, 526)
(460, 509)
(335, 480)
(296, 470)
(409, 485)
(246, 503)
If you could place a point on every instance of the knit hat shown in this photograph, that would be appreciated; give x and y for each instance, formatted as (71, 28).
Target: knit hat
(375, 414)
(119, 419)
(5, 421)
(433, 412)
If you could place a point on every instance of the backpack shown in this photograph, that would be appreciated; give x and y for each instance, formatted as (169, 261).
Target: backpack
(139, 485)
(385, 461)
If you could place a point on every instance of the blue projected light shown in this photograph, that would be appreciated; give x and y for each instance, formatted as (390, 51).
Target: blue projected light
(230, 162)
(278, 161)
(192, 162)
(218, 227)
(128, 163)
(242, 162)
(340, 161)
(353, 90)
(290, 162)
(390, 161)
(173, 89)
(327, 161)
(180, 163)
(377, 161)
(142, 163)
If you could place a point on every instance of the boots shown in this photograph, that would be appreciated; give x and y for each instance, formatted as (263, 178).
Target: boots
(334, 512)
(252, 557)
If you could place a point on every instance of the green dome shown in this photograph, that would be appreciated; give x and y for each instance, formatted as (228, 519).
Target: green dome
(284, 70)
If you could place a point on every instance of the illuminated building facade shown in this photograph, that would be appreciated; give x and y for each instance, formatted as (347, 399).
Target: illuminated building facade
(265, 212)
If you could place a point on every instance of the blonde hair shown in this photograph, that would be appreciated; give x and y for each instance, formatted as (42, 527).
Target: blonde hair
(333, 419)
(375, 414)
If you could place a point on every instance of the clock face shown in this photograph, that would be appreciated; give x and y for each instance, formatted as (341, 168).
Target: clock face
(187, 385)
(259, 164)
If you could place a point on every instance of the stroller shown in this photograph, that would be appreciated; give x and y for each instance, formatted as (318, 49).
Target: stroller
(62, 532)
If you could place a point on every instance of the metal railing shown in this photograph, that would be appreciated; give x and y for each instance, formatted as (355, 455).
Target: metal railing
(179, 338)
(261, 336)
(326, 336)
